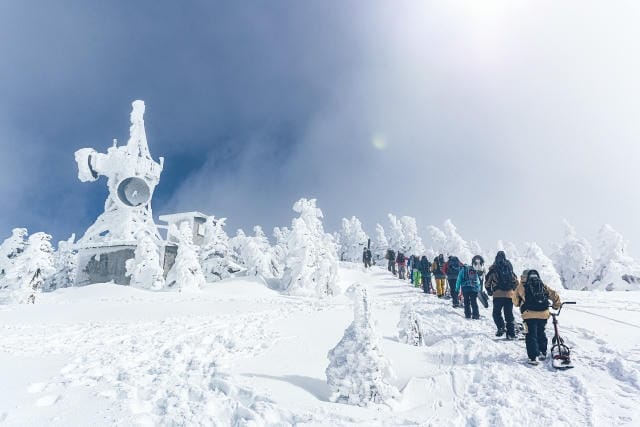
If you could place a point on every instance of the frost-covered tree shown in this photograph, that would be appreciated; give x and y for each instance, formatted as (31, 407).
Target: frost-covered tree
(379, 245)
(10, 248)
(535, 259)
(352, 239)
(216, 257)
(186, 274)
(144, 269)
(449, 242)
(573, 261)
(312, 261)
(256, 254)
(413, 242)
(614, 268)
(395, 235)
(409, 328)
(358, 372)
(31, 268)
(280, 250)
(438, 238)
(66, 265)
(237, 245)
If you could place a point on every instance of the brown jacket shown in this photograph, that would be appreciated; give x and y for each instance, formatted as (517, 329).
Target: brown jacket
(518, 300)
(492, 281)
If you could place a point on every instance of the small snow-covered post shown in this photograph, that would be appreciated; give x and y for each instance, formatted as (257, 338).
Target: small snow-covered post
(358, 373)
(409, 329)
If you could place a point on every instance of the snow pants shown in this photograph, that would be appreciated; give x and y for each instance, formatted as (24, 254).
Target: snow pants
(536, 337)
(452, 288)
(367, 263)
(470, 304)
(426, 283)
(417, 278)
(402, 270)
(392, 266)
(440, 286)
(501, 304)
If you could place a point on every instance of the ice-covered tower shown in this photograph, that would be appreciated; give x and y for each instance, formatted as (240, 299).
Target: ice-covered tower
(132, 175)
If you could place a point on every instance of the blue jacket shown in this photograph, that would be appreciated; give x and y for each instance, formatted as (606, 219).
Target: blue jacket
(468, 280)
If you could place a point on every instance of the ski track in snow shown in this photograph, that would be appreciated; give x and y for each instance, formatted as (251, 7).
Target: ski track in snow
(180, 370)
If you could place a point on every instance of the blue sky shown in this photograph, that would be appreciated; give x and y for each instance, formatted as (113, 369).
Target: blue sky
(504, 116)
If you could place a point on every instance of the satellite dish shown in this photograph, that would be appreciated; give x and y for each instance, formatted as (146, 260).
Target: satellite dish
(134, 192)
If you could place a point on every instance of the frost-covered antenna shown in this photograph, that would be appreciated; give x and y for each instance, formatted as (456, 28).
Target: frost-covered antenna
(132, 176)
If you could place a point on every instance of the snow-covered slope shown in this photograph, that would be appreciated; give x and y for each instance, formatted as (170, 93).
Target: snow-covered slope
(238, 352)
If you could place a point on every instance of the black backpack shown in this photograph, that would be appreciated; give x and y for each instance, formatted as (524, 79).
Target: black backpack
(504, 272)
(453, 268)
(401, 257)
(536, 297)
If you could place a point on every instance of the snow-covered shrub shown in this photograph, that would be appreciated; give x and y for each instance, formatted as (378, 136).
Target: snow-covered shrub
(573, 260)
(358, 372)
(614, 268)
(66, 264)
(280, 250)
(31, 269)
(144, 269)
(535, 259)
(186, 274)
(379, 245)
(10, 248)
(413, 242)
(409, 328)
(216, 257)
(312, 261)
(352, 240)
(395, 235)
(256, 254)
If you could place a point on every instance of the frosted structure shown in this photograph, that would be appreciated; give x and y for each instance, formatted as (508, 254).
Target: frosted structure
(132, 175)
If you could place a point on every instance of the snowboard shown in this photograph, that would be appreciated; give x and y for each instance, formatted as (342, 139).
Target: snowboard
(561, 364)
(484, 299)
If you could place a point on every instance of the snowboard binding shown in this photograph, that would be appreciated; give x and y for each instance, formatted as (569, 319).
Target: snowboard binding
(560, 352)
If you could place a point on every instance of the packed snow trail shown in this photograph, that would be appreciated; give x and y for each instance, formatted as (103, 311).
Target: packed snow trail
(240, 353)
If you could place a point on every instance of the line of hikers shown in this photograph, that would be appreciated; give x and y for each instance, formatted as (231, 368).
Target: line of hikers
(454, 279)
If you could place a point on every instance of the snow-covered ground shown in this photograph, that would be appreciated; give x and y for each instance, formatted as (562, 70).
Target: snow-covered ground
(239, 352)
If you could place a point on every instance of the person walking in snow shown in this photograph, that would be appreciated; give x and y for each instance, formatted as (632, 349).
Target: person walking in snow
(417, 274)
(533, 296)
(501, 283)
(425, 271)
(477, 262)
(469, 282)
(437, 268)
(366, 257)
(390, 256)
(401, 260)
(452, 268)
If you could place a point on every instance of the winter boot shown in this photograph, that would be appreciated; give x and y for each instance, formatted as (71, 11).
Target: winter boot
(542, 356)
(533, 362)
(500, 332)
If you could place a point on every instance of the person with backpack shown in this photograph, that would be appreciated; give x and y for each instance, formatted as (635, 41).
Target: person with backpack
(452, 269)
(469, 282)
(533, 296)
(425, 271)
(501, 283)
(437, 268)
(401, 260)
(366, 257)
(390, 256)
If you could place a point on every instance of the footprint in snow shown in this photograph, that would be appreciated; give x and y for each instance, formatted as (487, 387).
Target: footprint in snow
(47, 400)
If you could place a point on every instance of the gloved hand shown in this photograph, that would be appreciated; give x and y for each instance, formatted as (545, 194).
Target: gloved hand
(556, 306)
